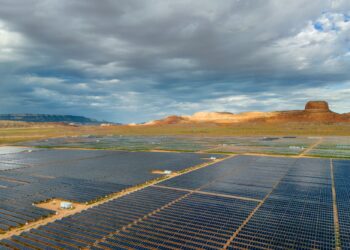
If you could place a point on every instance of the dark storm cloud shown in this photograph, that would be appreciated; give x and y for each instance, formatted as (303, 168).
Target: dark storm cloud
(138, 60)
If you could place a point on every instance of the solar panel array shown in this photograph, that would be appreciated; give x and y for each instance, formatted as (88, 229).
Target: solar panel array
(342, 187)
(129, 168)
(246, 176)
(85, 228)
(74, 175)
(297, 215)
(196, 222)
(16, 207)
(241, 203)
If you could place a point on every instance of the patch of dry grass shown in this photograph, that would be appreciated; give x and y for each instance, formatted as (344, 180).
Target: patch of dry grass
(30, 131)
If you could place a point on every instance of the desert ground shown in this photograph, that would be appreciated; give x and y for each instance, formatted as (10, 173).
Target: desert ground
(26, 132)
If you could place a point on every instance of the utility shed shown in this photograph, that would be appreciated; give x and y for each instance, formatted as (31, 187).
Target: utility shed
(66, 205)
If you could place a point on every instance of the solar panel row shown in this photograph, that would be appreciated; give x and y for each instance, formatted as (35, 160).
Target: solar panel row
(342, 187)
(14, 215)
(19, 178)
(7, 183)
(8, 166)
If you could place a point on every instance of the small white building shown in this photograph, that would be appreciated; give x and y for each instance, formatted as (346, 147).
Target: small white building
(66, 205)
(296, 147)
(167, 171)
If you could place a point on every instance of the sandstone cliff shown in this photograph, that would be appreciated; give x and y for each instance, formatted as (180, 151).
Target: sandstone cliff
(315, 111)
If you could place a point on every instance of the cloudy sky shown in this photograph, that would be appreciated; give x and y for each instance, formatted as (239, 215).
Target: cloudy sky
(133, 61)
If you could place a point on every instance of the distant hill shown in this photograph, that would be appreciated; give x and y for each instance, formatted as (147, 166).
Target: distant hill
(48, 118)
(315, 111)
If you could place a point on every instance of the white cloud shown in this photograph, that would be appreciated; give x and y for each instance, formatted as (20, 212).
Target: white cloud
(10, 44)
(32, 79)
(109, 81)
(109, 69)
(319, 47)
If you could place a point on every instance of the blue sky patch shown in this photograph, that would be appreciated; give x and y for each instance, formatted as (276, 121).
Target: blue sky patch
(318, 26)
(346, 18)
